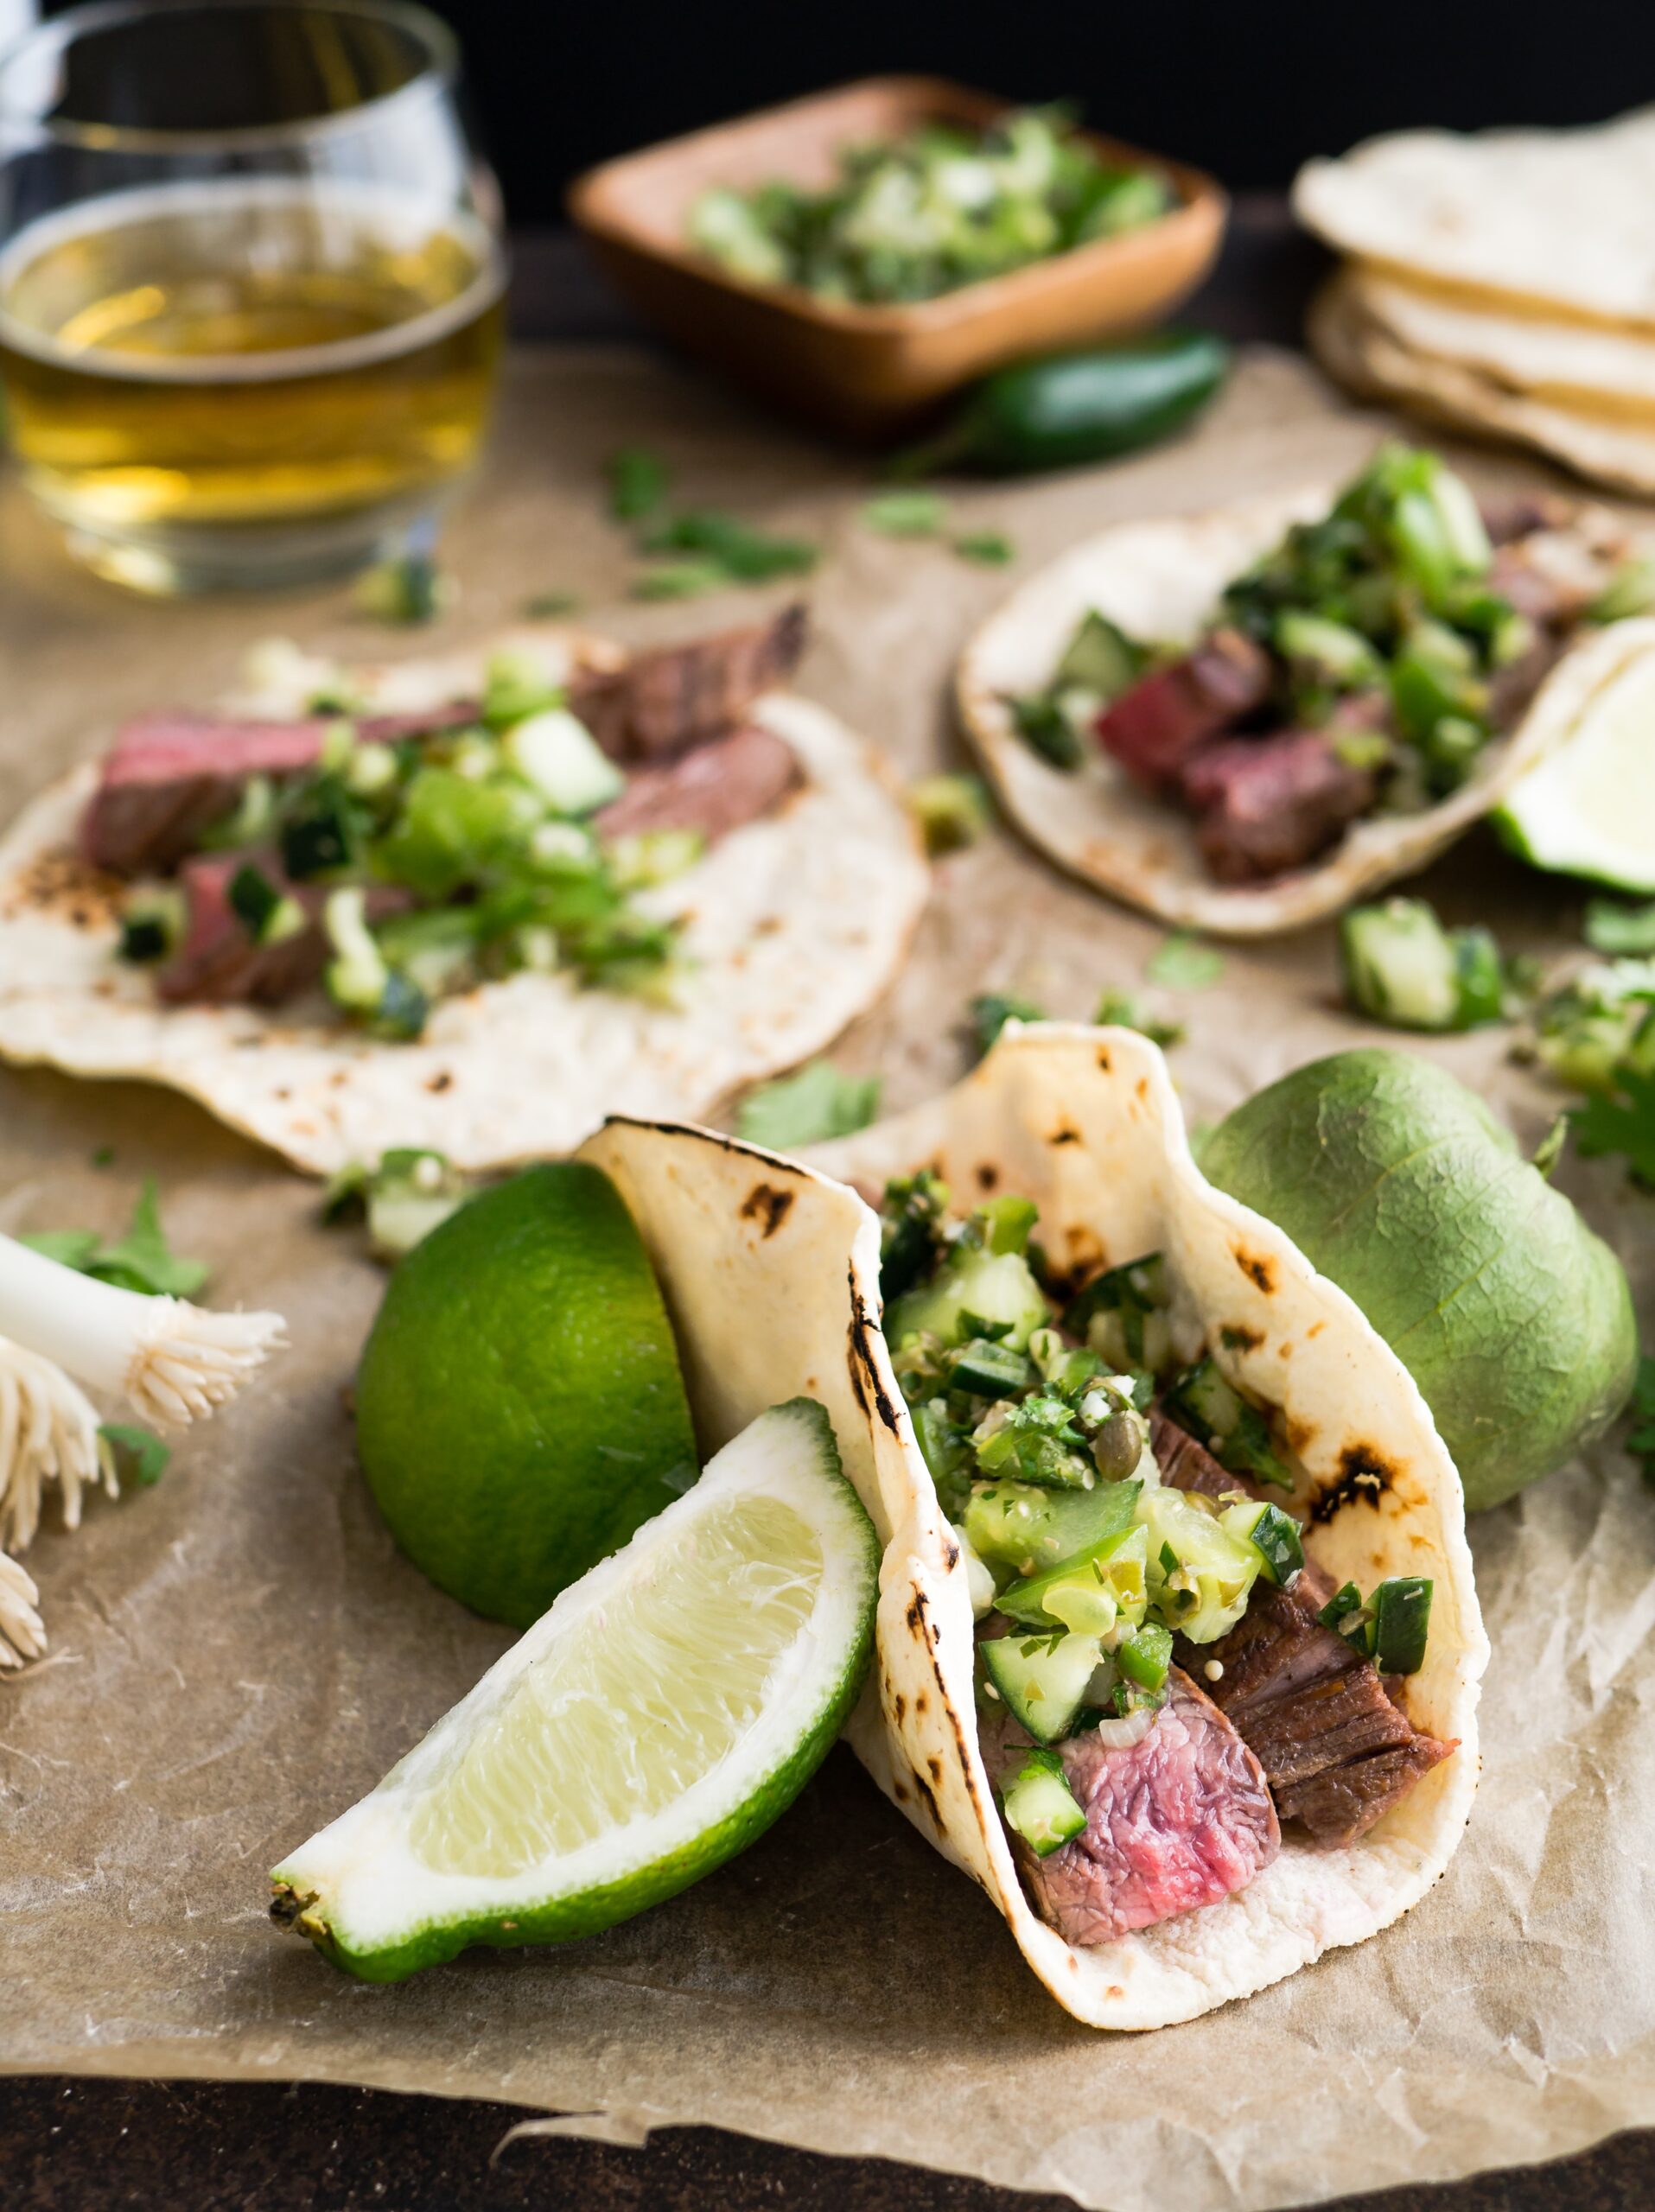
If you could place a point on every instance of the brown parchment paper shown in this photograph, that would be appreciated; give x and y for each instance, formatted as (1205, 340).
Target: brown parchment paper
(240, 1652)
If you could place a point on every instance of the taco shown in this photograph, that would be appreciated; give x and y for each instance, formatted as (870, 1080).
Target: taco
(471, 904)
(1243, 720)
(1179, 1650)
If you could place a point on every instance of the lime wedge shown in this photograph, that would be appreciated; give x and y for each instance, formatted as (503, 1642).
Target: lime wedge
(1589, 808)
(669, 1707)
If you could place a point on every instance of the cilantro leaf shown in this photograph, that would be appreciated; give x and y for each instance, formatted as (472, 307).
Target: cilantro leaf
(1121, 1010)
(140, 1455)
(905, 514)
(1640, 1441)
(805, 1107)
(990, 549)
(1622, 1121)
(1619, 929)
(1182, 962)
(746, 555)
(141, 1260)
(991, 1010)
(638, 482)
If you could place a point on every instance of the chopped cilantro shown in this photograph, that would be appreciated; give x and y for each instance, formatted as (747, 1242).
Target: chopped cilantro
(991, 1010)
(638, 482)
(547, 606)
(1619, 929)
(990, 549)
(1640, 1440)
(1621, 1120)
(905, 514)
(745, 555)
(805, 1107)
(139, 1454)
(952, 811)
(1120, 1010)
(1182, 962)
(141, 1260)
(679, 579)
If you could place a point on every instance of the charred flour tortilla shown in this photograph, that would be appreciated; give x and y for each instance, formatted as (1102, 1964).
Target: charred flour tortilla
(1084, 1122)
(796, 923)
(1161, 579)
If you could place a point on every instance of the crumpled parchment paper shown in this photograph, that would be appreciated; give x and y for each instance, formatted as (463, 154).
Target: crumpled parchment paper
(240, 1652)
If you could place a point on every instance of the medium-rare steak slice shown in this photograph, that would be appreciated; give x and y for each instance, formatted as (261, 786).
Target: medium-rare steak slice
(1267, 804)
(170, 776)
(1180, 1819)
(715, 789)
(1337, 1751)
(218, 963)
(1154, 728)
(662, 703)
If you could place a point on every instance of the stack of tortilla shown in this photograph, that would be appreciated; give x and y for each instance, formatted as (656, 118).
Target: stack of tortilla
(1502, 284)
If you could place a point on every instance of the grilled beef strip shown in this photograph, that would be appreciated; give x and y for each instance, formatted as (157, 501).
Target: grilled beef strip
(170, 776)
(219, 964)
(1337, 1749)
(663, 703)
(1180, 1819)
(1264, 805)
(1153, 730)
(720, 786)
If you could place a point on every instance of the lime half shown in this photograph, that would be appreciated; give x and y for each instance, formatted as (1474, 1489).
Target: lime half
(1589, 808)
(656, 1720)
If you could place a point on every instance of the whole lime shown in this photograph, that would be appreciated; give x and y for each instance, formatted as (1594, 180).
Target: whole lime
(520, 1409)
(1398, 1184)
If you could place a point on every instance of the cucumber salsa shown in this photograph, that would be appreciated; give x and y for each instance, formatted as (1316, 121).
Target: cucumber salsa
(398, 859)
(1361, 667)
(1120, 1510)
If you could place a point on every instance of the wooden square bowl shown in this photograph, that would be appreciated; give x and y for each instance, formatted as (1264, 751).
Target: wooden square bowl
(873, 370)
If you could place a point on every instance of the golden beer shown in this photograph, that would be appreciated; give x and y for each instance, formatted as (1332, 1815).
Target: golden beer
(285, 359)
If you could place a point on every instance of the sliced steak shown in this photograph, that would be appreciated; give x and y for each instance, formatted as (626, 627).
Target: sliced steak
(1180, 1819)
(1189, 1466)
(662, 703)
(1519, 514)
(1153, 728)
(1267, 804)
(170, 776)
(219, 964)
(1337, 1751)
(717, 788)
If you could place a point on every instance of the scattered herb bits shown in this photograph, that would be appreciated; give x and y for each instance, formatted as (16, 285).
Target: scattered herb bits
(1182, 962)
(808, 1108)
(952, 811)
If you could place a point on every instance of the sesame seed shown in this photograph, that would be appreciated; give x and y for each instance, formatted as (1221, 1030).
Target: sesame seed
(1213, 1670)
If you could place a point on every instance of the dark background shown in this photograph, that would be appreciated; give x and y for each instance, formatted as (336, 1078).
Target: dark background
(1247, 88)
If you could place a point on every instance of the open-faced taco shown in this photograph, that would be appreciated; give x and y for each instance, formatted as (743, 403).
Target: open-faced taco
(470, 904)
(1242, 721)
(1179, 1648)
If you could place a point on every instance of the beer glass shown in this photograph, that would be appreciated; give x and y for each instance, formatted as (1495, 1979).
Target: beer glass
(251, 283)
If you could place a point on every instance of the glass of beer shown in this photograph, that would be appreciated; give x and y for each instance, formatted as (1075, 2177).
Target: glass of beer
(251, 283)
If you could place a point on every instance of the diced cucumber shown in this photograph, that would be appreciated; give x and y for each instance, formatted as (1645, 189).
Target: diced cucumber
(1099, 658)
(1200, 1574)
(1087, 1593)
(993, 1287)
(153, 922)
(559, 756)
(1043, 1679)
(1402, 967)
(1340, 655)
(1017, 1525)
(358, 974)
(1274, 1535)
(1037, 1803)
(1402, 1620)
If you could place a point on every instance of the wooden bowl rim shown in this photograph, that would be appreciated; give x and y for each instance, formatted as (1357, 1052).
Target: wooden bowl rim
(1204, 207)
